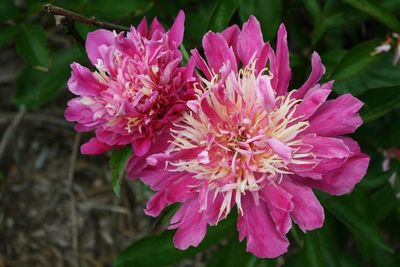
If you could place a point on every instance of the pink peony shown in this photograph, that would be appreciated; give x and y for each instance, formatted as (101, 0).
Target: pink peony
(248, 142)
(138, 89)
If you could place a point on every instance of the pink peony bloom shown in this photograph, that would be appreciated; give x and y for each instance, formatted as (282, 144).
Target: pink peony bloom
(249, 143)
(138, 89)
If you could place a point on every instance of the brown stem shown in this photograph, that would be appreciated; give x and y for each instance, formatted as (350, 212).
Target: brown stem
(55, 10)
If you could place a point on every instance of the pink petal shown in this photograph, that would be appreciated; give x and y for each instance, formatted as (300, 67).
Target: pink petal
(317, 71)
(177, 190)
(217, 51)
(209, 111)
(175, 34)
(94, 147)
(76, 111)
(156, 204)
(266, 93)
(96, 39)
(280, 148)
(201, 63)
(141, 146)
(135, 166)
(341, 113)
(328, 154)
(126, 45)
(280, 206)
(190, 224)
(142, 27)
(283, 72)
(231, 35)
(83, 82)
(250, 41)
(156, 26)
(342, 180)
(312, 101)
(307, 211)
(263, 58)
(263, 240)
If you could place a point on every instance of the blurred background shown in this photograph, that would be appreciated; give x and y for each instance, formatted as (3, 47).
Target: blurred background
(58, 208)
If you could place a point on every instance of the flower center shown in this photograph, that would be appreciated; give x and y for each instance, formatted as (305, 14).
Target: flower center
(244, 145)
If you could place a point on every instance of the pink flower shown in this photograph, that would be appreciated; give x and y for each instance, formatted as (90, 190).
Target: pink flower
(138, 89)
(249, 143)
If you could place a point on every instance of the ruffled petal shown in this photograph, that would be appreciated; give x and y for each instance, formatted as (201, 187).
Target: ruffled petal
(263, 58)
(218, 52)
(231, 35)
(280, 206)
(317, 71)
(250, 41)
(266, 93)
(328, 154)
(201, 63)
(191, 225)
(256, 224)
(95, 40)
(94, 147)
(141, 146)
(342, 115)
(177, 190)
(82, 81)
(307, 211)
(313, 100)
(342, 180)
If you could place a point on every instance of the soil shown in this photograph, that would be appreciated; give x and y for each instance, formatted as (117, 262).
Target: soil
(57, 207)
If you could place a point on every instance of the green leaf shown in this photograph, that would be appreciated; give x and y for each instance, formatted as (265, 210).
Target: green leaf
(107, 8)
(383, 202)
(380, 73)
(222, 14)
(185, 54)
(379, 101)
(324, 24)
(117, 163)
(234, 253)
(8, 10)
(347, 261)
(313, 7)
(159, 250)
(268, 12)
(359, 224)
(330, 59)
(74, 5)
(377, 11)
(375, 179)
(320, 247)
(7, 34)
(355, 60)
(31, 44)
(35, 88)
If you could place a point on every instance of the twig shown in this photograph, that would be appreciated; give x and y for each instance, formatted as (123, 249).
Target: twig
(74, 219)
(9, 132)
(70, 25)
(45, 119)
(55, 10)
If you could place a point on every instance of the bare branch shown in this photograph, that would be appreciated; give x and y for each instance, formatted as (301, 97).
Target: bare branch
(58, 11)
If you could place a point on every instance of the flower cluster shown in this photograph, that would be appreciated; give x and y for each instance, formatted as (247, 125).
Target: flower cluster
(232, 136)
(138, 89)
